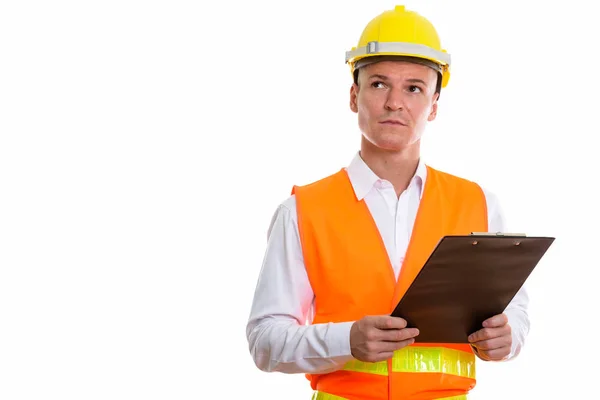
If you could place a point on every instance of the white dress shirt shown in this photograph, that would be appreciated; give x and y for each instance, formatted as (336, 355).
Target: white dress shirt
(279, 332)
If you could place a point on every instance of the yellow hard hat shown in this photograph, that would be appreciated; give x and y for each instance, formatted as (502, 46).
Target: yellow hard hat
(400, 33)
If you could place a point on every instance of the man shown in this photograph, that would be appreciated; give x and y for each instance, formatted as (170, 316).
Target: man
(342, 251)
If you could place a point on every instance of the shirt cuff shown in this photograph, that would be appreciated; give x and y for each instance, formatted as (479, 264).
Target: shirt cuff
(338, 341)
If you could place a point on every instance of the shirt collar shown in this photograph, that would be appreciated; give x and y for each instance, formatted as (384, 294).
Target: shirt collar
(363, 179)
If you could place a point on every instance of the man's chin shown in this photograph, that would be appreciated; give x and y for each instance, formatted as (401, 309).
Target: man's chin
(394, 147)
(392, 141)
(395, 143)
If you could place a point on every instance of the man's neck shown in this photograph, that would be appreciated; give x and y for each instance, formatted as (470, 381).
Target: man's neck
(397, 167)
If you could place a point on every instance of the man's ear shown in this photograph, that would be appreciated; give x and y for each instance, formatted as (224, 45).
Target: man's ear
(354, 97)
(434, 107)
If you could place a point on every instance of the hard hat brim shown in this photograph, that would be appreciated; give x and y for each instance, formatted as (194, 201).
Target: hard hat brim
(363, 62)
(399, 49)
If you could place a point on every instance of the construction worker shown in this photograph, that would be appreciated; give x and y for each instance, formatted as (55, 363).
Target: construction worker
(343, 250)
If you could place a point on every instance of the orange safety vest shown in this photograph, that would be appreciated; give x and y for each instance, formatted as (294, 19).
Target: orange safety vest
(351, 275)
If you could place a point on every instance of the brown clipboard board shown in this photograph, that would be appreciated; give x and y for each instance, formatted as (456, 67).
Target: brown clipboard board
(466, 280)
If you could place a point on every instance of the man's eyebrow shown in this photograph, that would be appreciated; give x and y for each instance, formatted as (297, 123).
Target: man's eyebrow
(378, 76)
(416, 80)
(385, 78)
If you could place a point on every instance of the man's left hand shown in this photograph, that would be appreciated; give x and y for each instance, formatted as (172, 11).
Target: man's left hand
(494, 341)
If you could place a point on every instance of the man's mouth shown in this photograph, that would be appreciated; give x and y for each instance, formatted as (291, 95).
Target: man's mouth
(393, 122)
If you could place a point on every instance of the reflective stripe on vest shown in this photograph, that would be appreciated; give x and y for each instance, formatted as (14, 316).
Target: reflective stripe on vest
(326, 396)
(421, 359)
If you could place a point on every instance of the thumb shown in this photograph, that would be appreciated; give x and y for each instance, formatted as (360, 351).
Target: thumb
(389, 322)
(496, 321)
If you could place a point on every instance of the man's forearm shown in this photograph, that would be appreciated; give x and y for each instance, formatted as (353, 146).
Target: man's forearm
(284, 346)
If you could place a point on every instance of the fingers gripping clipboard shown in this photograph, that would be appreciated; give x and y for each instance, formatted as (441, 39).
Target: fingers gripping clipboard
(466, 280)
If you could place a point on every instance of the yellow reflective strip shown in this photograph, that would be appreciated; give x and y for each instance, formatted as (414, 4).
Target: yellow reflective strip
(421, 359)
(326, 396)
(378, 368)
(434, 359)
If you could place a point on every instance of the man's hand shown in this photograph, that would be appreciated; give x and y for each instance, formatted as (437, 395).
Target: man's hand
(494, 341)
(375, 338)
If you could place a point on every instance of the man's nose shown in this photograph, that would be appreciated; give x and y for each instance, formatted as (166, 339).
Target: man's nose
(395, 100)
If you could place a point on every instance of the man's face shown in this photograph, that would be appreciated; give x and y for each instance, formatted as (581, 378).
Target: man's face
(394, 100)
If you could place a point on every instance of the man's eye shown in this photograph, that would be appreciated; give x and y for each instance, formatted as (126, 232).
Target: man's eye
(377, 84)
(414, 89)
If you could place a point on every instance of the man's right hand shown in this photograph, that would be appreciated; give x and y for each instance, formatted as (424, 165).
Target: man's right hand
(375, 338)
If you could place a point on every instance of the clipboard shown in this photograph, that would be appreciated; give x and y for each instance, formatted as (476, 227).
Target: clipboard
(466, 280)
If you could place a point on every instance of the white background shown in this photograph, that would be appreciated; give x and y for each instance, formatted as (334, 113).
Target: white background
(145, 145)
